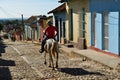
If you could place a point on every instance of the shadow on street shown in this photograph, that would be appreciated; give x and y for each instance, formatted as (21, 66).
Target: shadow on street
(5, 73)
(4, 64)
(4, 70)
(78, 71)
(7, 62)
(2, 47)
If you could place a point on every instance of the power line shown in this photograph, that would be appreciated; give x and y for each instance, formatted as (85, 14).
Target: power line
(7, 13)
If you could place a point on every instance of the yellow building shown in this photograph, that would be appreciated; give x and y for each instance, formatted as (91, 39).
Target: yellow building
(77, 23)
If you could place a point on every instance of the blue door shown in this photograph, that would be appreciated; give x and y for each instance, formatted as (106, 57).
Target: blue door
(98, 31)
(114, 32)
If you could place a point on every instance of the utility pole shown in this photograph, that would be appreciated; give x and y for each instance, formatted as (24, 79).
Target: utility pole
(23, 30)
(22, 20)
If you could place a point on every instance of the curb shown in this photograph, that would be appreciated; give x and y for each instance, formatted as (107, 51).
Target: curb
(78, 54)
(89, 58)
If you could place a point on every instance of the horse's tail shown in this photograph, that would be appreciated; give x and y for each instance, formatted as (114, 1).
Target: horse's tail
(53, 49)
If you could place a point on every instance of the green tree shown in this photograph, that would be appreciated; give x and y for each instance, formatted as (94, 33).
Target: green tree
(1, 26)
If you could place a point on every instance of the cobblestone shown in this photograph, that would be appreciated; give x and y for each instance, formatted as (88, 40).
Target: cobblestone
(29, 65)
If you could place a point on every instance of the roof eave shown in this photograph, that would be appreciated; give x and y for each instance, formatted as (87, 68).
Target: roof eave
(63, 1)
(59, 8)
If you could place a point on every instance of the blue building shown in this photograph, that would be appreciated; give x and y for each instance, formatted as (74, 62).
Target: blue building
(59, 18)
(105, 25)
(28, 32)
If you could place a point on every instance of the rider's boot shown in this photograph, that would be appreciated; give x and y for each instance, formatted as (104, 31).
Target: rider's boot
(42, 49)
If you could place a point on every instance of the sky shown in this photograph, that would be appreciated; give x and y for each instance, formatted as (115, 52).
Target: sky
(15, 8)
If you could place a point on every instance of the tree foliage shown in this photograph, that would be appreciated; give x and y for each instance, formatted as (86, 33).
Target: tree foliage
(1, 26)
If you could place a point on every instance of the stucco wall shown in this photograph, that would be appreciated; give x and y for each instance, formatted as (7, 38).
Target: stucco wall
(28, 32)
(77, 6)
(100, 5)
(61, 14)
(67, 22)
(113, 8)
(61, 17)
(114, 32)
(98, 31)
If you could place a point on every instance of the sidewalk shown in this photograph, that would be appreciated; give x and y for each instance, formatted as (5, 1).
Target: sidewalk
(110, 61)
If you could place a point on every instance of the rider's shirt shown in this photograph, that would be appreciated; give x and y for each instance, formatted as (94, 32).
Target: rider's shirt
(51, 32)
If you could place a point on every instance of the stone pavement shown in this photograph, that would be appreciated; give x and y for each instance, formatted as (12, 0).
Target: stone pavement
(108, 60)
(29, 65)
(105, 59)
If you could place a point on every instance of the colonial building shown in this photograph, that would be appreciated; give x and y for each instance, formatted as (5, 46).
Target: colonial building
(78, 23)
(32, 28)
(105, 25)
(59, 18)
(43, 25)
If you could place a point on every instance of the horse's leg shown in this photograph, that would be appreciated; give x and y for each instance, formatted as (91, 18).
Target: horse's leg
(52, 62)
(49, 59)
(48, 50)
(56, 59)
(57, 55)
(45, 48)
(45, 59)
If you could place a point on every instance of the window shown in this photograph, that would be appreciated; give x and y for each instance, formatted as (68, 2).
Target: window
(105, 30)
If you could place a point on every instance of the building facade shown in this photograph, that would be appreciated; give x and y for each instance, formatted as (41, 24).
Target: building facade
(59, 18)
(77, 23)
(105, 25)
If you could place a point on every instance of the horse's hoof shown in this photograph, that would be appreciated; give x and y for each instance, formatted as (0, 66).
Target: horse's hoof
(53, 69)
(56, 66)
(45, 63)
(84, 59)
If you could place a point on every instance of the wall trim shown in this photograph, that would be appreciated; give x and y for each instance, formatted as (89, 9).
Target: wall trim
(104, 52)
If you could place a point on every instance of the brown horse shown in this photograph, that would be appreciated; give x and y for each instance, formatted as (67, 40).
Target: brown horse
(51, 47)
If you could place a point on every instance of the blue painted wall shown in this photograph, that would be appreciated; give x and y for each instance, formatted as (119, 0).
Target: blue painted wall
(108, 5)
(113, 23)
(27, 31)
(91, 23)
(113, 7)
(60, 15)
(98, 32)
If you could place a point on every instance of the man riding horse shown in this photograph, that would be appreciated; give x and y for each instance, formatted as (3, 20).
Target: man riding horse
(49, 33)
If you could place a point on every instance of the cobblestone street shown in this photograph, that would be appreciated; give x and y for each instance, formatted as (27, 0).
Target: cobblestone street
(22, 61)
